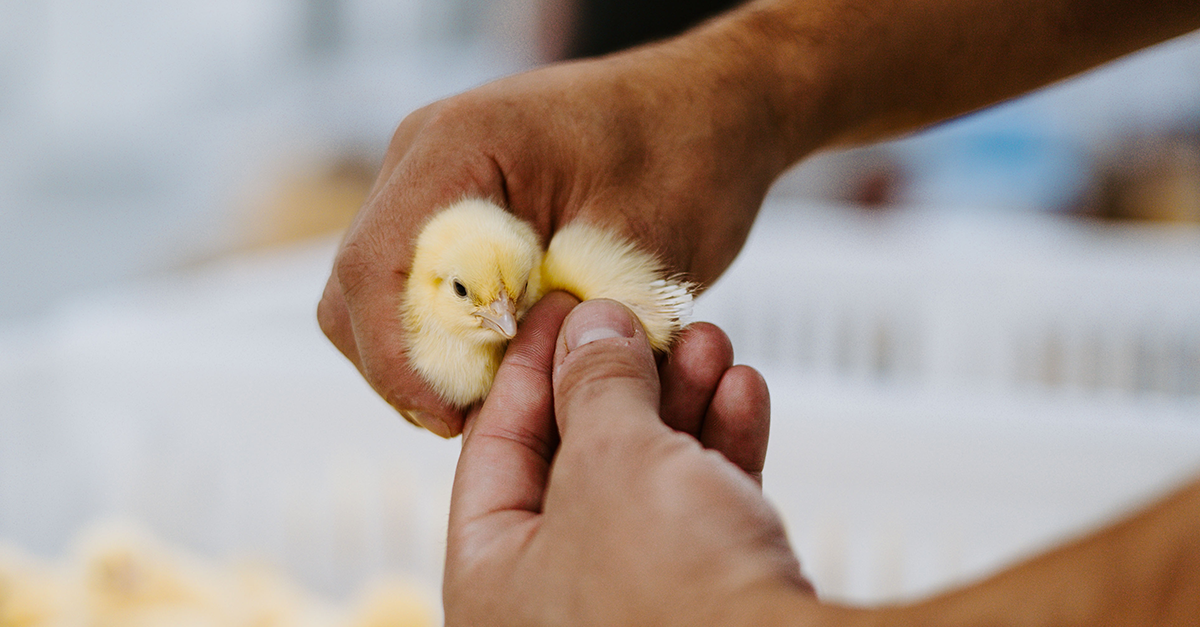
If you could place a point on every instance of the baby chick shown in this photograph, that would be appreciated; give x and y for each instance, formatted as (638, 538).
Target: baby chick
(31, 592)
(475, 272)
(477, 269)
(594, 263)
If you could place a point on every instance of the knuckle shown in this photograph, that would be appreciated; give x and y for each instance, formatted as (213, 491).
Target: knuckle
(331, 319)
(354, 266)
(440, 117)
(393, 394)
(414, 122)
(453, 111)
(524, 438)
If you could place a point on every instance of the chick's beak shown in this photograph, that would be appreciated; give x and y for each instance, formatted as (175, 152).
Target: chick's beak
(499, 315)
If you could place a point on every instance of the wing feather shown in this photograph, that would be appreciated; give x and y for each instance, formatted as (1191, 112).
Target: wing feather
(591, 262)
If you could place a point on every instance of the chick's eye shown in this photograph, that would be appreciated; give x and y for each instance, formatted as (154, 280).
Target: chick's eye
(460, 289)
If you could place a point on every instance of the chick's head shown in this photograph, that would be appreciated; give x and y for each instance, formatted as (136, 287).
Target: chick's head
(475, 272)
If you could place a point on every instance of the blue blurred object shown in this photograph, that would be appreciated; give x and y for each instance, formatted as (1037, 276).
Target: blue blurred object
(997, 160)
(1037, 152)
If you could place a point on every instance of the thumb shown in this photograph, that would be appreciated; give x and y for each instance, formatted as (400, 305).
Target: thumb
(604, 373)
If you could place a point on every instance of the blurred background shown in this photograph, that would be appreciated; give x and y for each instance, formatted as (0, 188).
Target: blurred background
(990, 339)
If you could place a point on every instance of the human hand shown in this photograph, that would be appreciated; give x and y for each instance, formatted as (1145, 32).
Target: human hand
(650, 143)
(647, 512)
(633, 520)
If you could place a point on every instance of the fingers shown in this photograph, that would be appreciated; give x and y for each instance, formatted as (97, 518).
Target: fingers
(726, 407)
(380, 338)
(359, 310)
(334, 321)
(605, 376)
(368, 331)
(510, 440)
(738, 421)
(690, 375)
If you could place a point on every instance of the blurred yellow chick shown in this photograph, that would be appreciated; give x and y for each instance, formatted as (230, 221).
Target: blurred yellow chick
(31, 592)
(477, 269)
(130, 579)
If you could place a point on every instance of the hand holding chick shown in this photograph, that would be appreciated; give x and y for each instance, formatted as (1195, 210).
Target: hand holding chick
(477, 269)
(654, 150)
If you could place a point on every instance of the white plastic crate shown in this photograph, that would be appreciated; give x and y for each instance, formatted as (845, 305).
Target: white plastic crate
(949, 302)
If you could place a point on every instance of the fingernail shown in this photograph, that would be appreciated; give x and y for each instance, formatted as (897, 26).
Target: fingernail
(407, 415)
(597, 320)
(435, 426)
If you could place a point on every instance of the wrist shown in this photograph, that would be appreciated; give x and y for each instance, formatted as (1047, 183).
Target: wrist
(690, 145)
(728, 83)
(766, 90)
(786, 606)
(779, 66)
(782, 75)
(787, 77)
(817, 69)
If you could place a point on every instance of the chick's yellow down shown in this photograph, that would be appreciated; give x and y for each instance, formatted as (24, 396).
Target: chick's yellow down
(475, 272)
(477, 269)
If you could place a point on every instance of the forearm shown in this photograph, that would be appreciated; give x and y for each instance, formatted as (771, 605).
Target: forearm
(1142, 571)
(847, 71)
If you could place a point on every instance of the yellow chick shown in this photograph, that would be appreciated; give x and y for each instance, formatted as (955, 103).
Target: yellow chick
(392, 603)
(475, 272)
(31, 592)
(477, 269)
(130, 579)
(590, 262)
